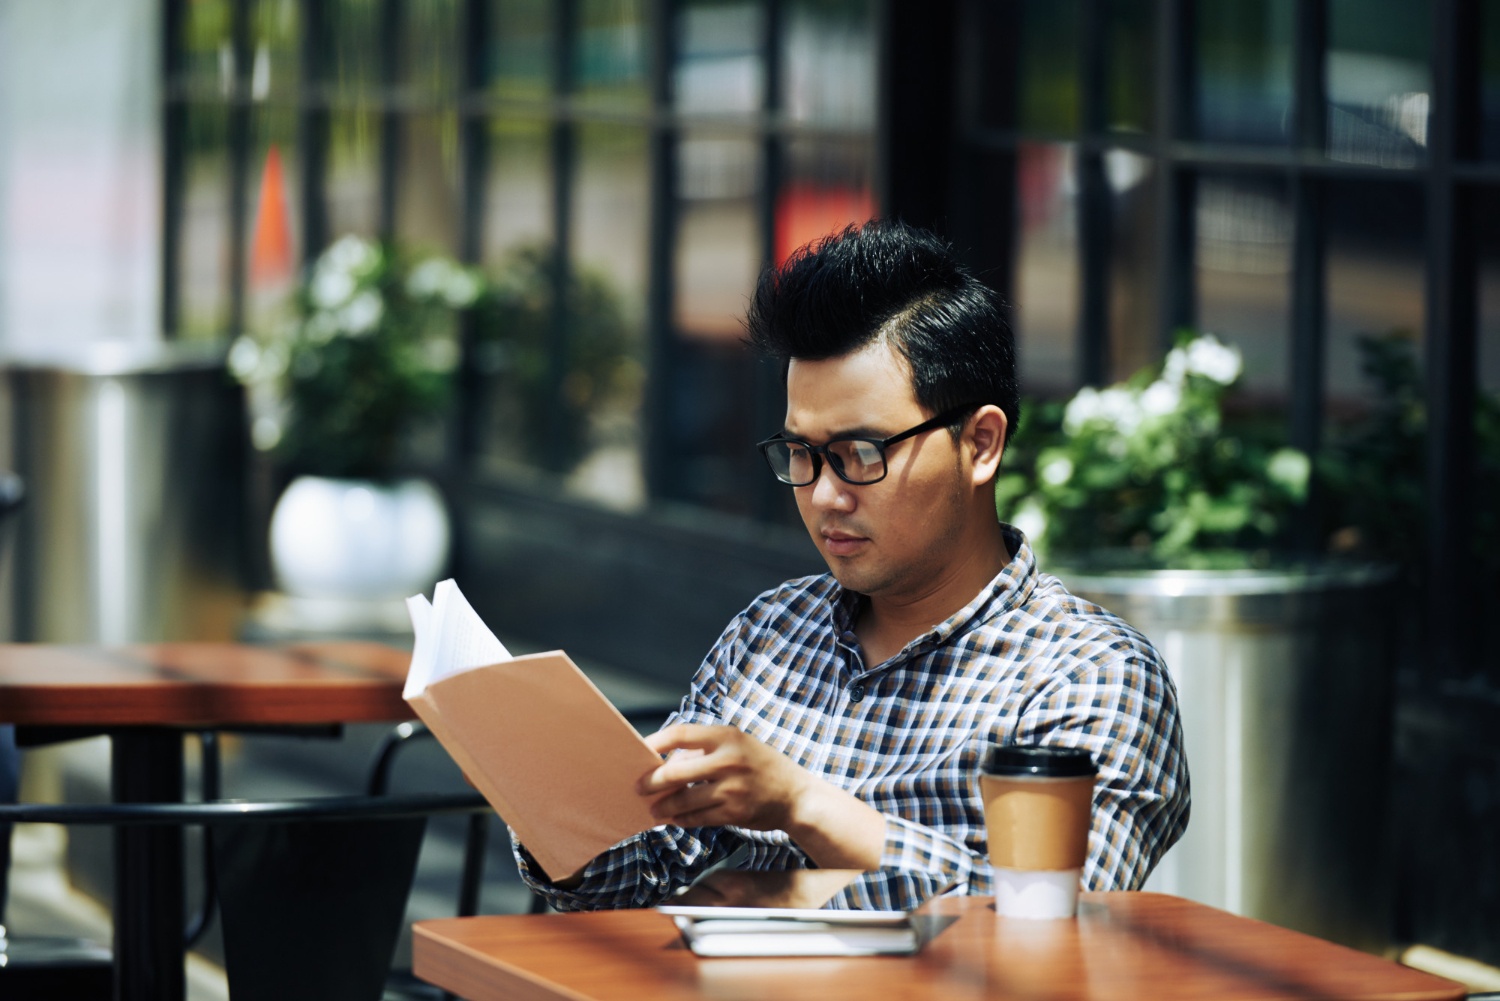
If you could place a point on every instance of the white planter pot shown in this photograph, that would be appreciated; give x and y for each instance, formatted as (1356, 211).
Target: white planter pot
(358, 539)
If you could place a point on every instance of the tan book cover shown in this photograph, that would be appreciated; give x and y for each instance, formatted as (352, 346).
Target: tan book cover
(556, 760)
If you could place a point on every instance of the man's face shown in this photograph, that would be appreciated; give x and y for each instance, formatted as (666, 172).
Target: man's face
(895, 538)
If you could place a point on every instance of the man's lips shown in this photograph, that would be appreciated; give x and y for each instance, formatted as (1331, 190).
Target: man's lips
(840, 543)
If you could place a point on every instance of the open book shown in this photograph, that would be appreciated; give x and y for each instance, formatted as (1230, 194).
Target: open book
(545, 747)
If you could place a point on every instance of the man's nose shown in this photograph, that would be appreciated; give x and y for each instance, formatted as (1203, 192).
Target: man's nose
(828, 491)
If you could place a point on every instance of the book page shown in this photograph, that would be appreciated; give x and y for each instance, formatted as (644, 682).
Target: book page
(420, 672)
(450, 638)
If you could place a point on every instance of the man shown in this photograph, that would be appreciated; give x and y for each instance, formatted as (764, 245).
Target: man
(840, 719)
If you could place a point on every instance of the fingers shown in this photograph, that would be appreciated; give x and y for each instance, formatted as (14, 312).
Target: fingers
(684, 767)
(694, 735)
(678, 807)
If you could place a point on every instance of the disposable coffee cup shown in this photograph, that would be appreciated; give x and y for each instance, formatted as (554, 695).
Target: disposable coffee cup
(1037, 806)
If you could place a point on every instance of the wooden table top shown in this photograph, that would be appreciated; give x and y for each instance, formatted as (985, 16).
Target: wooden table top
(1123, 946)
(201, 684)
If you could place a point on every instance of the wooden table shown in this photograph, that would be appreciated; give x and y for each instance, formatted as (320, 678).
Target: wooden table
(144, 697)
(1123, 946)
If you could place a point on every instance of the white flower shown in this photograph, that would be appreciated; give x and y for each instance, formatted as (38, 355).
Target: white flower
(1208, 356)
(321, 327)
(348, 254)
(1056, 471)
(428, 278)
(1290, 468)
(330, 287)
(439, 277)
(1081, 409)
(362, 314)
(1031, 520)
(1174, 369)
(1121, 407)
(1118, 406)
(440, 354)
(274, 360)
(462, 289)
(1160, 398)
(265, 433)
(244, 359)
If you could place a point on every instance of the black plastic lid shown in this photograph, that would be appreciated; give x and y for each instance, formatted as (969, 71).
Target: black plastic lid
(1048, 762)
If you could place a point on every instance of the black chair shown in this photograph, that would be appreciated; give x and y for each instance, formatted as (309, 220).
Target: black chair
(38, 967)
(312, 893)
(12, 493)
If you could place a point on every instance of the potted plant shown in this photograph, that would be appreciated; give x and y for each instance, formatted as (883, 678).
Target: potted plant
(365, 354)
(550, 420)
(1145, 472)
(1146, 499)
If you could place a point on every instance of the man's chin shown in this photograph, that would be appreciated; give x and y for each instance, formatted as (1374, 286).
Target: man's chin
(852, 578)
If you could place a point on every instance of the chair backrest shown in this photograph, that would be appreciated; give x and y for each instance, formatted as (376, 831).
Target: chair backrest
(313, 909)
(312, 893)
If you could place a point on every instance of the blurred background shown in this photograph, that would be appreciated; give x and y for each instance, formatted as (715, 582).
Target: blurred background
(1292, 175)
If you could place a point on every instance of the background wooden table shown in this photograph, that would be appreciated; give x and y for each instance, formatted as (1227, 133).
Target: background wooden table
(144, 697)
(201, 685)
(1123, 946)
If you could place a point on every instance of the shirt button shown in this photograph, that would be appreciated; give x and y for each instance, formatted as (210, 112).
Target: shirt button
(856, 693)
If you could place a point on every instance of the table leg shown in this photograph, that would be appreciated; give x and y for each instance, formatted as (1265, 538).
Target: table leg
(146, 767)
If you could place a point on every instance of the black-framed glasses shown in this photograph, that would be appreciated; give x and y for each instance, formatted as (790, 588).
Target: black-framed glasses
(854, 458)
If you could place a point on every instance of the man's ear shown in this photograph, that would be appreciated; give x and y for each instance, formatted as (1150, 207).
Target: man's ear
(985, 440)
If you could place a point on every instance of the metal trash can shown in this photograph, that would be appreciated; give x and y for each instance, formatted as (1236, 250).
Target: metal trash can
(1286, 683)
(133, 460)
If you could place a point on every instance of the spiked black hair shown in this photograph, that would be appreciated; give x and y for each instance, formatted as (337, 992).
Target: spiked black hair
(890, 281)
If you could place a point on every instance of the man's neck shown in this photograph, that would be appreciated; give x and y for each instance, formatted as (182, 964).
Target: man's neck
(889, 622)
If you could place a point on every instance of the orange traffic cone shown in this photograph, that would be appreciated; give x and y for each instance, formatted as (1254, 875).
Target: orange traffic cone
(271, 242)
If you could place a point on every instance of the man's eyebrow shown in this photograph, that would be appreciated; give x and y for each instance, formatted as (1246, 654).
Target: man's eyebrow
(862, 431)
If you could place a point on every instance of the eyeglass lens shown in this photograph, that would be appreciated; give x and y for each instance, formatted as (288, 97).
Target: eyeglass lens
(855, 461)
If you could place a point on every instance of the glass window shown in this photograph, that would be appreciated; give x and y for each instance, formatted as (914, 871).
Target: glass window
(352, 184)
(1049, 66)
(355, 34)
(826, 185)
(518, 202)
(1134, 282)
(523, 49)
(206, 58)
(828, 63)
(274, 222)
(1379, 81)
(1132, 68)
(718, 250)
(719, 66)
(1244, 265)
(203, 262)
(603, 389)
(1489, 82)
(427, 181)
(1375, 275)
(1489, 291)
(428, 62)
(276, 71)
(1244, 71)
(1046, 292)
(612, 55)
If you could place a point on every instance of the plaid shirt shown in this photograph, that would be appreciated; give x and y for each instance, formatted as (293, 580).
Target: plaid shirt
(1025, 662)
